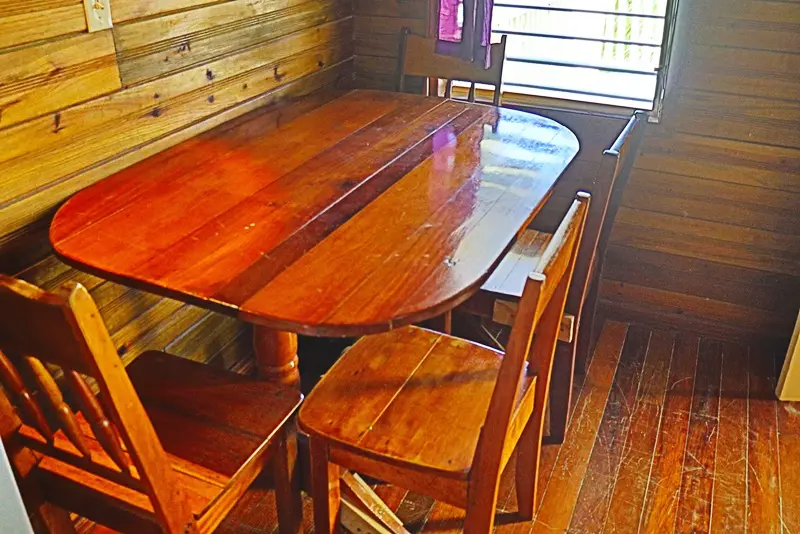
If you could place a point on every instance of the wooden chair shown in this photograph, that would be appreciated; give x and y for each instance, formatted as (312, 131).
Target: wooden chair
(169, 446)
(418, 58)
(441, 415)
(499, 296)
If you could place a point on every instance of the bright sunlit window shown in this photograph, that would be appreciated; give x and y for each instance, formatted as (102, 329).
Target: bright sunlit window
(601, 51)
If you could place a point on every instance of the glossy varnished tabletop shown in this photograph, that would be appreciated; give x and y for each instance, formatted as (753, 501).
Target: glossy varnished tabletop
(368, 211)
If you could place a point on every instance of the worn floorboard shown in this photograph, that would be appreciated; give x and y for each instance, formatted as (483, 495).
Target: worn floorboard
(764, 487)
(731, 473)
(637, 454)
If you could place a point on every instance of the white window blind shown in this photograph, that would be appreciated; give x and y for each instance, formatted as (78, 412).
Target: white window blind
(601, 51)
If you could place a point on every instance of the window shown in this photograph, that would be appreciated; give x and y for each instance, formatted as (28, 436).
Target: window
(601, 51)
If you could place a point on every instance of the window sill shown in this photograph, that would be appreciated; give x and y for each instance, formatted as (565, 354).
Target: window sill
(522, 101)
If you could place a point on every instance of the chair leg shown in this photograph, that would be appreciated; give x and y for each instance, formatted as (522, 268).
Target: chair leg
(325, 490)
(442, 323)
(561, 391)
(46, 517)
(52, 520)
(287, 482)
(448, 322)
(529, 451)
(482, 494)
(480, 516)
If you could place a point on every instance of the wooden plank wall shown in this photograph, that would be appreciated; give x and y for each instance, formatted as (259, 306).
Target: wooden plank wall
(76, 107)
(709, 233)
(377, 38)
(708, 237)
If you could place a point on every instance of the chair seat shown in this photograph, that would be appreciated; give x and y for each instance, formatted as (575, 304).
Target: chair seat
(209, 416)
(411, 396)
(213, 424)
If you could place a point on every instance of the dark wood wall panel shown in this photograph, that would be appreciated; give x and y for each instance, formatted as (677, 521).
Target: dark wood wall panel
(377, 38)
(76, 107)
(709, 233)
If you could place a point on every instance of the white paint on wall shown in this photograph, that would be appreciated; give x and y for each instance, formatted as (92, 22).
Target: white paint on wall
(13, 518)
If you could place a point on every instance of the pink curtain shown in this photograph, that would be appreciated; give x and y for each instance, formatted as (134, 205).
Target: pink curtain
(465, 29)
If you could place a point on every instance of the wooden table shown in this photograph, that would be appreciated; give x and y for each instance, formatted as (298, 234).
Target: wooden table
(342, 214)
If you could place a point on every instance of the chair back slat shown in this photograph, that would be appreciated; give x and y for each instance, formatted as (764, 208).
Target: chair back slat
(64, 331)
(104, 430)
(540, 310)
(418, 57)
(52, 394)
(31, 412)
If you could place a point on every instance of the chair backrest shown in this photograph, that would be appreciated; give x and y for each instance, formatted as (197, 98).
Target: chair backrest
(418, 57)
(540, 310)
(612, 177)
(41, 332)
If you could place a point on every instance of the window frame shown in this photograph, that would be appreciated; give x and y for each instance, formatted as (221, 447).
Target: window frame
(512, 98)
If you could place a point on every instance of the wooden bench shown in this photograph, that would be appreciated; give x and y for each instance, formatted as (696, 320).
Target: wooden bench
(496, 301)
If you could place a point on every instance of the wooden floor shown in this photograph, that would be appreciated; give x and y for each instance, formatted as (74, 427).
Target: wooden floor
(671, 432)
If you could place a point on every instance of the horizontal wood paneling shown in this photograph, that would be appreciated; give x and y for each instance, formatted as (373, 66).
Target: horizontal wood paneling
(190, 41)
(683, 240)
(757, 73)
(770, 244)
(761, 166)
(741, 196)
(412, 9)
(49, 18)
(671, 309)
(76, 107)
(761, 25)
(134, 9)
(738, 117)
(378, 24)
(105, 127)
(692, 276)
(42, 79)
(708, 234)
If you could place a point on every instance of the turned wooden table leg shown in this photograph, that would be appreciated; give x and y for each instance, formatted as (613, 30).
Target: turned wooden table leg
(276, 356)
